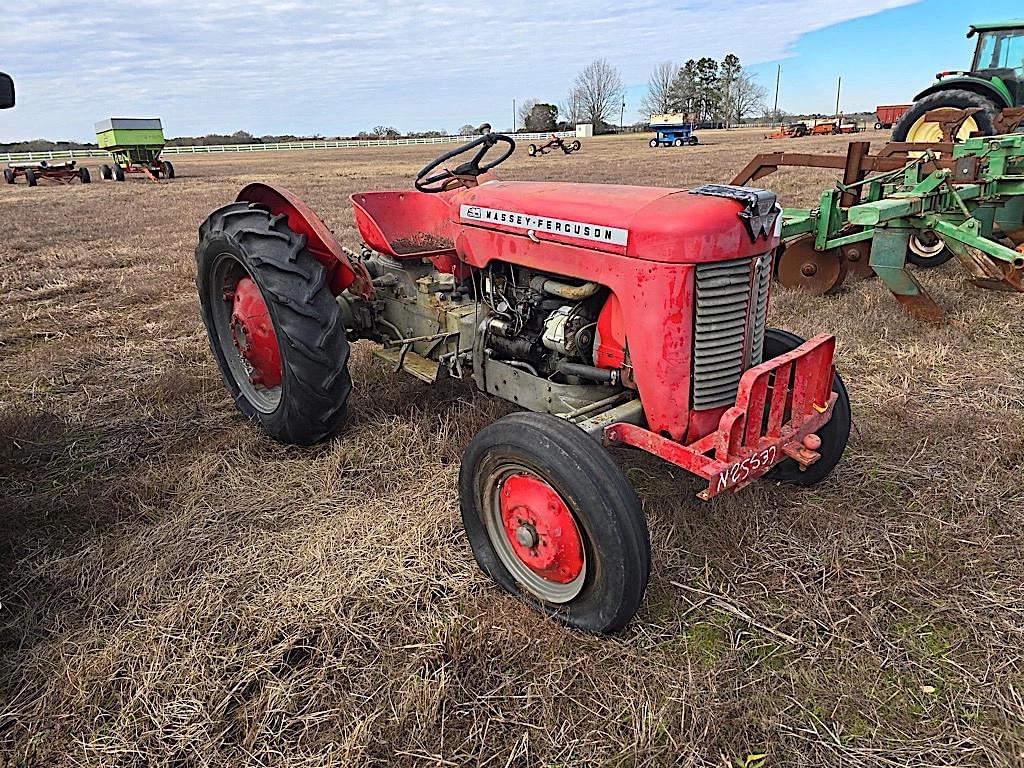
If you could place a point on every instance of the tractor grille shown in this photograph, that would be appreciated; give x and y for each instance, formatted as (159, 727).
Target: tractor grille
(729, 300)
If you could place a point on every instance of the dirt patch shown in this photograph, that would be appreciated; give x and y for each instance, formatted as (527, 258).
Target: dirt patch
(422, 243)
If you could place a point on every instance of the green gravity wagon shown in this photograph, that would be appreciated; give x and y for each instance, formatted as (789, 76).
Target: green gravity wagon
(135, 144)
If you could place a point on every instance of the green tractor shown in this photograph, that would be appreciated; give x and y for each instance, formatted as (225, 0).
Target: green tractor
(994, 83)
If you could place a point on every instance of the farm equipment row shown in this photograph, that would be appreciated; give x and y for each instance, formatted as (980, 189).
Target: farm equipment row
(912, 203)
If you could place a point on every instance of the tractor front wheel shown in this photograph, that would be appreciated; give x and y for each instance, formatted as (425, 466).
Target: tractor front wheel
(834, 435)
(913, 126)
(678, 143)
(273, 324)
(553, 519)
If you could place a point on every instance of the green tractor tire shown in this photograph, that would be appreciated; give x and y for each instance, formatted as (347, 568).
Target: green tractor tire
(913, 127)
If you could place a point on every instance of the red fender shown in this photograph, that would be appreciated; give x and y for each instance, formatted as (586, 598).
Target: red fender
(342, 272)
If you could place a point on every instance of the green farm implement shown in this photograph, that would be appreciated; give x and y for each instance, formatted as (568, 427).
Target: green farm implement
(135, 145)
(910, 203)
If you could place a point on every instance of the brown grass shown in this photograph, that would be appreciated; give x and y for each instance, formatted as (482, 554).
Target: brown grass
(177, 590)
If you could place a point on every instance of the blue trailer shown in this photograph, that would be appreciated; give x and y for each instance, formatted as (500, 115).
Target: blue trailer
(675, 135)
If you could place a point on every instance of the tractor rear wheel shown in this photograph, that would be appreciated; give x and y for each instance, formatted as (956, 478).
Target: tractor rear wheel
(106, 173)
(834, 435)
(913, 127)
(84, 176)
(273, 324)
(30, 177)
(9, 176)
(118, 173)
(553, 519)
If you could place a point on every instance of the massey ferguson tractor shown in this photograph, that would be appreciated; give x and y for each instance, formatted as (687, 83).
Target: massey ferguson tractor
(612, 315)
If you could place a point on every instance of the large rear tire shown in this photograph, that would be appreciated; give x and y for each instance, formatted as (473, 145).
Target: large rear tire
(834, 435)
(284, 355)
(553, 519)
(912, 126)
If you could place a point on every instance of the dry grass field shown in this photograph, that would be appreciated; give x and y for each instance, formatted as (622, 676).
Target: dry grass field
(177, 590)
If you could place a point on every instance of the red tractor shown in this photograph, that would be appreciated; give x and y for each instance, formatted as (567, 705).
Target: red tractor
(614, 315)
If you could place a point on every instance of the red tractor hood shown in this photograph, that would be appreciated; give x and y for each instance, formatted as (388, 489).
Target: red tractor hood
(709, 223)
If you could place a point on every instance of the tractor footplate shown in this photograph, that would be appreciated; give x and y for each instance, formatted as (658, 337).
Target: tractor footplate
(780, 405)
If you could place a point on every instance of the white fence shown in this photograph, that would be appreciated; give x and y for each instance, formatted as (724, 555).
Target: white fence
(289, 146)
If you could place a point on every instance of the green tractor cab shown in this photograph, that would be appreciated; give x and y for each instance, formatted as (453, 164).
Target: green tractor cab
(995, 82)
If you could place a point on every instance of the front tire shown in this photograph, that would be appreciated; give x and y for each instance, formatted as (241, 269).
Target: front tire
(168, 169)
(834, 435)
(283, 352)
(84, 176)
(553, 520)
(9, 176)
(653, 143)
(911, 127)
(30, 177)
(678, 143)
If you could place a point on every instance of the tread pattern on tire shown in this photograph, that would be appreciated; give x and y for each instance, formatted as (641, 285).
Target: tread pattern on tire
(311, 334)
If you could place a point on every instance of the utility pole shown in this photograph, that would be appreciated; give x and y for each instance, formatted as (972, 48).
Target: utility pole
(513, 115)
(775, 109)
(622, 113)
(839, 88)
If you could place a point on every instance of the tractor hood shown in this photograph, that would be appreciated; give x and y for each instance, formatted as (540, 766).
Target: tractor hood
(709, 223)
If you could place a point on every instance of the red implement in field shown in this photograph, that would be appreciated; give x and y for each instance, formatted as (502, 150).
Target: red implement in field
(889, 114)
(32, 172)
(614, 315)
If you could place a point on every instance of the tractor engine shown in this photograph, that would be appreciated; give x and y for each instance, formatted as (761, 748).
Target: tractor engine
(538, 323)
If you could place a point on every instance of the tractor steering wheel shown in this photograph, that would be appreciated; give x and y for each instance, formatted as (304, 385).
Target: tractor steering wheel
(470, 168)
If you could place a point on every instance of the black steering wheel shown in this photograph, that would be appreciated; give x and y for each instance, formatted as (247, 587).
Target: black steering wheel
(471, 168)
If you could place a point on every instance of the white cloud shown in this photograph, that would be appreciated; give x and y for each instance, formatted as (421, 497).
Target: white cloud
(275, 67)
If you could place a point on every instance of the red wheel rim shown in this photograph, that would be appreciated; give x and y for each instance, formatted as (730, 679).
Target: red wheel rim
(540, 529)
(253, 333)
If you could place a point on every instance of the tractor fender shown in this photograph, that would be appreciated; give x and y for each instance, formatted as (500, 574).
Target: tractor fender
(342, 272)
(1000, 97)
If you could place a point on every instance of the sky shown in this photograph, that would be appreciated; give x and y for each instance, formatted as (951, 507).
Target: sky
(330, 68)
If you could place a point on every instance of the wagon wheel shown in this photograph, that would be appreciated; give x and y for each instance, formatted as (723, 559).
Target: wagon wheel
(84, 176)
(532, 150)
(693, 141)
(9, 176)
(576, 146)
(553, 520)
(926, 249)
(678, 143)
(817, 272)
(834, 435)
(273, 324)
(168, 169)
(653, 143)
(118, 173)
(105, 173)
(30, 177)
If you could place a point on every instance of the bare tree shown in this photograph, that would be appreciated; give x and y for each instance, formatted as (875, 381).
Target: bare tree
(600, 91)
(524, 110)
(468, 130)
(658, 100)
(748, 96)
(572, 107)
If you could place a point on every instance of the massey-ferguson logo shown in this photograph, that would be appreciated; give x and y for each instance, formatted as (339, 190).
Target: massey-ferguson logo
(534, 225)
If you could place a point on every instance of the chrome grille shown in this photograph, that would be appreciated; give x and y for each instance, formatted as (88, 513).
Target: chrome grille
(724, 306)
